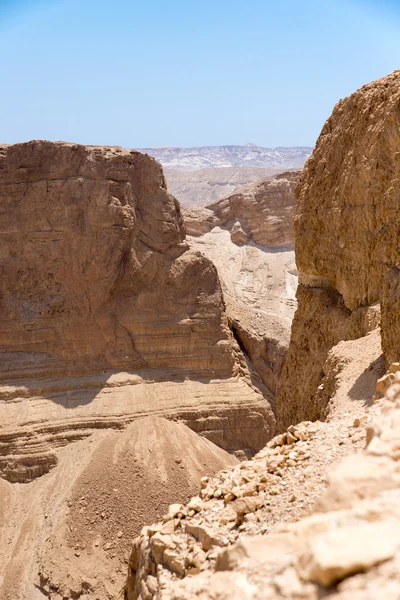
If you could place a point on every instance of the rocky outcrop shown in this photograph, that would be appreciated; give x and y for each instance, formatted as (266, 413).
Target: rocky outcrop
(248, 533)
(94, 264)
(263, 210)
(258, 281)
(346, 238)
(349, 548)
(107, 316)
(321, 321)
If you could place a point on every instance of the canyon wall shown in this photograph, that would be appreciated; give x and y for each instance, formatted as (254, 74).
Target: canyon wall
(347, 231)
(107, 317)
(261, 211)
(94, 264)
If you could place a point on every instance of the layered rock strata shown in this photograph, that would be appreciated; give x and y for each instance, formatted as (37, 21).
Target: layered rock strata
(249, 237)
(107, 316)
(68, 534)
(100, 295)
(346, 239)
(261, 211)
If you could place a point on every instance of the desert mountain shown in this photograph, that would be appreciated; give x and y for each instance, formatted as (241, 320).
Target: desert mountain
(249, 155)
(261, 212)
(200, 176)
(204, 186)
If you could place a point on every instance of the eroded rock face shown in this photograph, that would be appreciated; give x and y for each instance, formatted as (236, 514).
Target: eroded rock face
(67, 535)
(320, 322)
(94, 264)
(347, 229)
(257, 286)
(107, 316)
(347, 224)
(96, 275)
(263, 210)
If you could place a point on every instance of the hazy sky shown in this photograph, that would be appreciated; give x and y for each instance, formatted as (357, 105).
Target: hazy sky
(179, 72)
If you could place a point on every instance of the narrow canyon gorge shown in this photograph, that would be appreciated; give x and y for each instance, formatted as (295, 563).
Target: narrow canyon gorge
(202, 401)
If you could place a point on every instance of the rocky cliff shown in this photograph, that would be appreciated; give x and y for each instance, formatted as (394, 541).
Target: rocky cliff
(107, 316)
(262, 212)
(346, 239)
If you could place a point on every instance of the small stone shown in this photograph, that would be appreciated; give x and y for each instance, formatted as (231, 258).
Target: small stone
(195, 504)
(174, 510)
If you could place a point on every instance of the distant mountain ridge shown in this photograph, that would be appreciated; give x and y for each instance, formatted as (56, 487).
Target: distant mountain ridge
(248, 155)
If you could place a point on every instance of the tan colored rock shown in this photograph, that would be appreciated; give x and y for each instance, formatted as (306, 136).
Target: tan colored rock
(100, 294)
(351, 550)
(199, 220)
(346, 235)
(238, 236)
(350, 544)
(201, 187)
(107, 317)
(264, 209)
(321, 321)
(346, 224)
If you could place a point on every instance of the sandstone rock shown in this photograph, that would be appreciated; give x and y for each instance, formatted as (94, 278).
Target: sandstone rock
(199, 220)
(100, 294)
(201, 187)
(321, 321)
(238, 236)
(347, 196)
(307, 558)
(338, 554)
(107, 317)
(391, 313)
(258, 290)
(347, 206)
(264, 209)
(358, 477)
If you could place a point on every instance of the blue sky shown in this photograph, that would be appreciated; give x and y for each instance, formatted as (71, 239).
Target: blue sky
(178, 72)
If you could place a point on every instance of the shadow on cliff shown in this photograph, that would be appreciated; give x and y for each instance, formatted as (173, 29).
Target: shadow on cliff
(364, 387)
(72, 390)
